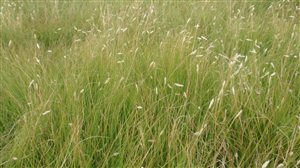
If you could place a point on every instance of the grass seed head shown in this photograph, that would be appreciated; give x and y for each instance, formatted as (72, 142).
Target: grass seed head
(265, 165)
(211, 103)
(178, 85)
(46, 112)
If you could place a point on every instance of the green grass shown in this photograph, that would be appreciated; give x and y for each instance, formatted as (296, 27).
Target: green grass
(150, 84)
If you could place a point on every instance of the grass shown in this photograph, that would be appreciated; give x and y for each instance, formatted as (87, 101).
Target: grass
(150, 84)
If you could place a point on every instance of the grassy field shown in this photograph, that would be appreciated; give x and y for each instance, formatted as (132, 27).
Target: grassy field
(150, 84)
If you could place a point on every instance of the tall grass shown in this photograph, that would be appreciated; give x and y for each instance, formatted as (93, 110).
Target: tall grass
(150, 84)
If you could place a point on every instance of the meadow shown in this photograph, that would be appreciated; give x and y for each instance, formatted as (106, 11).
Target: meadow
(150, 83)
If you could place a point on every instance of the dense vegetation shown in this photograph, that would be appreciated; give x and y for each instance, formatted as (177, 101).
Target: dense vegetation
(150, 84)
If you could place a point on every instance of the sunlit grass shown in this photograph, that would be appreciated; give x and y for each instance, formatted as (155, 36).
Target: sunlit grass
(141, 84)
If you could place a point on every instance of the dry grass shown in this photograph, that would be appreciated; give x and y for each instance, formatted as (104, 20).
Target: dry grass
(150, 84)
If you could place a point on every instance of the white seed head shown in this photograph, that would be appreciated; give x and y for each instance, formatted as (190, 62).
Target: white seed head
(204, 38)
(281, 165)
(115, 154)
(233, 90)
(253, 51)
(201, 130)
(9, 43)
(193, 52)
(37, 60)
(178, 84)
(31, 83)
(122, 78)
(189, 19)
(161, 132)
(238, 114)
(211, 103)
(120, 62)
(107, 81)
(46, 112)
(236, 155)
(199, 55)
(273, 74)
(265, 165)
(165, 81)
(82, 90)
(152, 64)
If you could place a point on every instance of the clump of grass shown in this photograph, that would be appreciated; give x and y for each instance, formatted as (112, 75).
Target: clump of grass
(150, 84)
